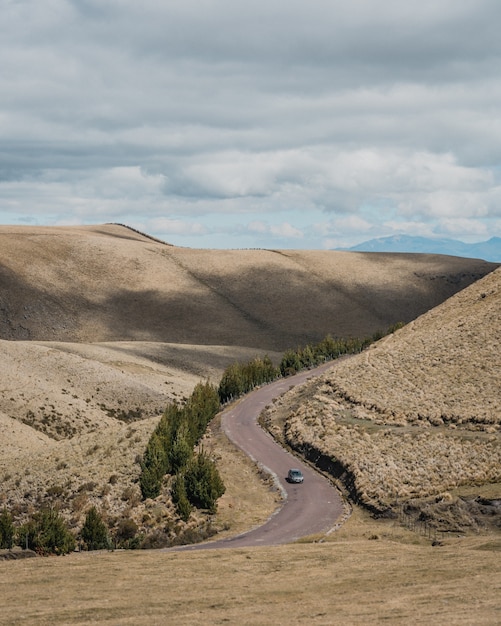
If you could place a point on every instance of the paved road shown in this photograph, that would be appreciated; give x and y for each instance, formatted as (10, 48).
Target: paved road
(309, 508)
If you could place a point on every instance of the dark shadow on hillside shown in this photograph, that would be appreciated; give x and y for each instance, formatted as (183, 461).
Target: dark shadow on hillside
(265, 307)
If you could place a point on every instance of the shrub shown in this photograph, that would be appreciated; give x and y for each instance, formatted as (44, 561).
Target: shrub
(291, 363)
(203, 483)
(47, 533)
(126, 533)
(94, 532)
(6, 530)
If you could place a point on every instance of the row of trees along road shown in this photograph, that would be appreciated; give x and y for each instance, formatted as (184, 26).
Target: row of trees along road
(240, 378)
(170, 450)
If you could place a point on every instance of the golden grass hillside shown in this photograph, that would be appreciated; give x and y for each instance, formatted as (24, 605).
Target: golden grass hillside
(416, 415)
(109, 283)
(103, 323)
(101, 327)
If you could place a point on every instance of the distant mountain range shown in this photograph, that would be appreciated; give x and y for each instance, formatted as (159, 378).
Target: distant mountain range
(487, 250)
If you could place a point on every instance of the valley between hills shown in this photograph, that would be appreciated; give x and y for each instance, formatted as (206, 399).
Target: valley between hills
(101, 327)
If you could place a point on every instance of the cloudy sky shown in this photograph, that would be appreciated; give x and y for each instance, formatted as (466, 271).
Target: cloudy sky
(272, 123)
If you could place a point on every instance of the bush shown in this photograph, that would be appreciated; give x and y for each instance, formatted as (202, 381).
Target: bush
(47, 533)
(291, 363)
(94, 532)
(203, 483)
(180, 498)
(6, 530)
(126, 534)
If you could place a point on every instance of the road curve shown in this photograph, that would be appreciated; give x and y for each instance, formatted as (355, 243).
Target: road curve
(310, 508)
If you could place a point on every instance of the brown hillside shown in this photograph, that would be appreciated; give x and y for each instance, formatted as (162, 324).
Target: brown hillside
(109, 283)
(417, 414)
(111, 324)
(101, 327)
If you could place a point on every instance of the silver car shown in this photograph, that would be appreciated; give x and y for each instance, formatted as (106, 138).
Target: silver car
(295, 476)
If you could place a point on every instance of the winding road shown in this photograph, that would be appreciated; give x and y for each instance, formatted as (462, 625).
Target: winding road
(308, 508)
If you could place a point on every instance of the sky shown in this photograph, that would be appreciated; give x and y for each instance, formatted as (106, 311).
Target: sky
(265, 124)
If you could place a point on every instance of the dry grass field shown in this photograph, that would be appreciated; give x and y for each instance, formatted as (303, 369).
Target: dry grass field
(101, 327)
(109, 283)
(367, 575)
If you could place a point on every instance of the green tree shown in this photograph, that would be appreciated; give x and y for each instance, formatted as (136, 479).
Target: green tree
(290, 363)
(306, 357)
(182, 449)
(180, 498)
(203, 483)
(201, 407)
(47, 533)
(171, 445)
(94, 532)
(231, 384)
(153, 467)
(269, 371)
(240, 378)
(7, 530)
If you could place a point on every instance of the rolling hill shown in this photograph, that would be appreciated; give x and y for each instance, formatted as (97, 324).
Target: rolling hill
(101, 327)
(110, 283)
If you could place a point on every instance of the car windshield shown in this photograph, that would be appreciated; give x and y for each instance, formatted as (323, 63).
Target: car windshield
(295, 472)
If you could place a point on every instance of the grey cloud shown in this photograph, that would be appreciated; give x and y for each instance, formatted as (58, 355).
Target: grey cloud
(245, 105)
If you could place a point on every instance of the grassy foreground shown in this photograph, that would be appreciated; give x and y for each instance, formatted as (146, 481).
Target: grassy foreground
(365, 573)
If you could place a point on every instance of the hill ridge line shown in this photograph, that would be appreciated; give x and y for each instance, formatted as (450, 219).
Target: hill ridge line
(139, 232)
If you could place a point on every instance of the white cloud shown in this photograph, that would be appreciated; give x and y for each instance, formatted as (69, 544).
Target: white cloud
(258, 227)
(285, 230)
(345, 224)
